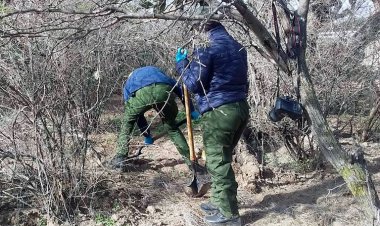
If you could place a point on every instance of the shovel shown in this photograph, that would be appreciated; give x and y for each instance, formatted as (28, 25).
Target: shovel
(200, 182)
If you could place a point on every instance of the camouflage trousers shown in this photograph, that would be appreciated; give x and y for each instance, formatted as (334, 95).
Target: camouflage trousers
(158, 97)
(222, 128)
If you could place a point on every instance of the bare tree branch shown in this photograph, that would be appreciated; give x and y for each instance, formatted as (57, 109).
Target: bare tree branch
(262, 34)
(369, 32)
(354, 172)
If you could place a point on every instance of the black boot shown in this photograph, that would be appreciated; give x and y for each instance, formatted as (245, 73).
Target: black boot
(209, 208)
(219, 219)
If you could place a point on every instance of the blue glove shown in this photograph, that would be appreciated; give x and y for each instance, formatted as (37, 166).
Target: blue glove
(195, 115)
(148, 140)
(181, 54)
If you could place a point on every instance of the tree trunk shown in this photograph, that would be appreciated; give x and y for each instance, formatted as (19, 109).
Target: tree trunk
(352, 168)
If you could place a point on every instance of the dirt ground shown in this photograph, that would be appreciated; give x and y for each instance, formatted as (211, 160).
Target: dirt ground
(151, 193)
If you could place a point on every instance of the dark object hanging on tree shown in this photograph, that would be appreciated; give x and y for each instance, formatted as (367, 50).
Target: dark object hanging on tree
(285, 106)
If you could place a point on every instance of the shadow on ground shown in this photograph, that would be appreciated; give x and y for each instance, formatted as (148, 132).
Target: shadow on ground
(308, 196)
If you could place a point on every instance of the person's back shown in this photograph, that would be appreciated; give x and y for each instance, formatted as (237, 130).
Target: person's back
(218, 72)
(145, 76)
(229, 67)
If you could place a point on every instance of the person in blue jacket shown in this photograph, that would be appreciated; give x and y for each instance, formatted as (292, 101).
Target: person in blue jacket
(218, 76)
(150, 88)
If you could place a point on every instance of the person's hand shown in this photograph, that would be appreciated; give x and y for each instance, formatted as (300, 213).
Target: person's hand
(148, 140)
(181, 54)
(195, 115)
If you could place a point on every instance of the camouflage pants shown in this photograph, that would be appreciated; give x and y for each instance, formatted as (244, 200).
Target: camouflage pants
(222, 129)
(158, 97)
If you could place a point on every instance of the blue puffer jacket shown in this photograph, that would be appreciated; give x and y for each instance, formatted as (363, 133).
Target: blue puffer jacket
(218, 73)
(145, 76)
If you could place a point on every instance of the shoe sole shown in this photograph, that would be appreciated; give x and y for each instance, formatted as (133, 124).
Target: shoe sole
(224, 224)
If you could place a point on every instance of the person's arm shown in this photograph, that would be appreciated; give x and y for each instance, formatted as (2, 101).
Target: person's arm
(196, 74)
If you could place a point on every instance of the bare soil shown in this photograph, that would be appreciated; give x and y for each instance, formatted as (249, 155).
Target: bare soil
(151, 191)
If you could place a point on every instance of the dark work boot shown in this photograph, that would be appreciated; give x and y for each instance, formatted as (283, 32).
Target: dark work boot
(118, 161)
(219, 219)
(209, 208)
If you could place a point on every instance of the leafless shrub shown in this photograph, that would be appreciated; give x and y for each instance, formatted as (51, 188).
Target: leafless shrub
(342, 72)
(52, 94)
(60, 64)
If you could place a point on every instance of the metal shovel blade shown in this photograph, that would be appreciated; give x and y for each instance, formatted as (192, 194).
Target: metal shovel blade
(193, 186)
(200, 183)
(202, 189)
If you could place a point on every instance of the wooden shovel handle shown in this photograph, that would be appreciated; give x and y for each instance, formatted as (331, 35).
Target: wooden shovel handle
(189, 124)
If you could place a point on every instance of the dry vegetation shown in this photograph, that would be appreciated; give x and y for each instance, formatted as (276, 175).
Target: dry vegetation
(62, 66)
